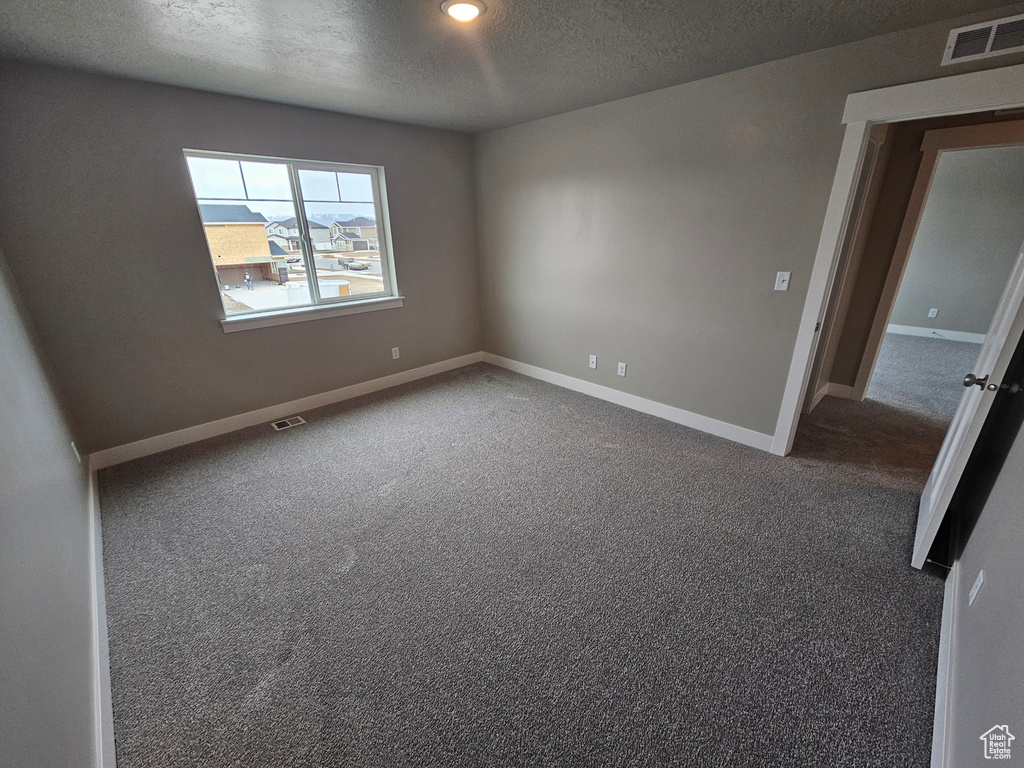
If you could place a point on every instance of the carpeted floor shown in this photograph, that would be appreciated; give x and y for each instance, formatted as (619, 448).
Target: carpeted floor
(894, 435)
(922, 375)
(480, 569)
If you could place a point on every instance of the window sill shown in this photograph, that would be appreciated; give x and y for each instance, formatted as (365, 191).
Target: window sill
(302, 314)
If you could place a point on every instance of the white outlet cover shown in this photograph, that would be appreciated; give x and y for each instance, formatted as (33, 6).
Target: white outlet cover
(394, 353)
(593, 361)
(976, 588)
(933, 312)
(622, 369)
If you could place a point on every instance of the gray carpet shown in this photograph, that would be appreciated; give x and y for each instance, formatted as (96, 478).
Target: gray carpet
(480, 569)
(922, 375)
(894, 435)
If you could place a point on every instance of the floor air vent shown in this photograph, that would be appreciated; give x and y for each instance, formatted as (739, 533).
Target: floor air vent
(294, 421)
(979, 41)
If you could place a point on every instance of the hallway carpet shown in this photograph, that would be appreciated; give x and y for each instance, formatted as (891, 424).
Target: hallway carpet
(480, 569)
(894, 435)
(922, 375)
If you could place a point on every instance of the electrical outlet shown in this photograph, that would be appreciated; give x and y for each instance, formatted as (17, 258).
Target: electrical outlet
(394, 353)
(622, 369)
(593, 361)
(976, 588)
(782, 281)
(933, 312)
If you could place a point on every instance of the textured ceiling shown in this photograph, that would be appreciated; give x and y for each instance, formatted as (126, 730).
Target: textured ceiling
(404, 60)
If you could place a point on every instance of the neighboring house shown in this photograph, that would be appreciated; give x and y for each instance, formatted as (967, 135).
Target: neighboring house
(237, 237)
(346, 241)
(286, 234)
(321, 236)
(361, 227)
(284, 228)
(285, 243)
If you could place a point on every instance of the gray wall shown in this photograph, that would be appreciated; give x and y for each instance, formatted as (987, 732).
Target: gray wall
(987, 674)
(102, 233)
(649, 230)
(970, 234)
(46, 685)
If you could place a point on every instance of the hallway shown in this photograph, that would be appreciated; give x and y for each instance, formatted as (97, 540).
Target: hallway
(894, 435)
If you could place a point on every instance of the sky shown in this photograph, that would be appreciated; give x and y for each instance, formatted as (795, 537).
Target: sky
(265, 188)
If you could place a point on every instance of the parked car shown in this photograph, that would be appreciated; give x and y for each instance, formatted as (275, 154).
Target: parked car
(355, 265)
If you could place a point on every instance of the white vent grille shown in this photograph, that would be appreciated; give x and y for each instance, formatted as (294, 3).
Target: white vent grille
(294, 421)
(979, 41)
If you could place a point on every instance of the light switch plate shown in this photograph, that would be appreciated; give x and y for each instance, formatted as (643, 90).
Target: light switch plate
(593, 361)
(782, 281)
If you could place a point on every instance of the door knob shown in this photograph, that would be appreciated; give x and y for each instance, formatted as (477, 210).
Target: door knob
(970, 380)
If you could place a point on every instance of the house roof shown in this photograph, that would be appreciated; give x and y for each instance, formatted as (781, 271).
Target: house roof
(290, 223)
(358, 221)
(219, 213)
(276, 250)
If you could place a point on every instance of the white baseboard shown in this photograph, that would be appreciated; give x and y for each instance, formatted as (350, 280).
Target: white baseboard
(838, 390)
(102, 701)
(936, 333)
(944, 672)
(818, 397)
(151, 445)
(678, 415)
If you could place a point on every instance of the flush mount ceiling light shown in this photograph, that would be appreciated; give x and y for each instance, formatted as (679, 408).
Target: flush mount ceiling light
(463, 10)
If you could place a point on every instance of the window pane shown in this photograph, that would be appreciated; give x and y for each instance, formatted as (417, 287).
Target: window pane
(214, 178)
(264, 236)
(356, 187)
(257, 260)
(319, 185)
(346, 249)
(267, 180)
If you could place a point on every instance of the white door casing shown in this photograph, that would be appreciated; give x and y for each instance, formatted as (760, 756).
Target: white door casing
(1001, 88)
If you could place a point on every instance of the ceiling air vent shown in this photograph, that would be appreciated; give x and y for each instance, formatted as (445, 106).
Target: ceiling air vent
(294, 421)
(979, 41)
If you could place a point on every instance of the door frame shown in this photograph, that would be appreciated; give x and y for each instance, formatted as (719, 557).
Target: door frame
(992, 89)
(935, 142)
(869, 188)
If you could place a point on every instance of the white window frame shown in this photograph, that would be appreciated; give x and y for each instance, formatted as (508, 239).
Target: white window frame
(319, 307)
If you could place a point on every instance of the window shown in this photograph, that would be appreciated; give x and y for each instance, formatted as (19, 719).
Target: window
(268, 224)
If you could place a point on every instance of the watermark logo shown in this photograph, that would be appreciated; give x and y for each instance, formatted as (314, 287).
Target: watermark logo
(997, 742)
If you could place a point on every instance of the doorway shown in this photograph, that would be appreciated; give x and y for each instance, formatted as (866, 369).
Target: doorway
(921, 161)
(933, 244)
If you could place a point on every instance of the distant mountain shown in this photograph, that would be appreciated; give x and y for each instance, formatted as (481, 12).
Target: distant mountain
(326, 218)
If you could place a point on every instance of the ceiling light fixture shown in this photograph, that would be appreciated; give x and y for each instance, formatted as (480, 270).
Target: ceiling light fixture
(463, 10)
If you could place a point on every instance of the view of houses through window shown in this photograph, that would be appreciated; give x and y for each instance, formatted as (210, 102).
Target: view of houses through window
(265, 258)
